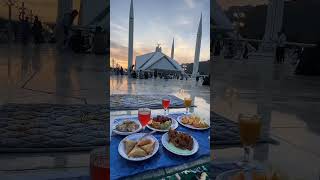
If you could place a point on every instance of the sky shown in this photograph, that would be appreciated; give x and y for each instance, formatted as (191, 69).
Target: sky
(159, 22)
(156, 21)
(45, 9)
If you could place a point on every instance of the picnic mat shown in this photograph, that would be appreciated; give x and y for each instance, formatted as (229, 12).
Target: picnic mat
(133, 102)
(122, 168)
(213, 169)
(52, 127)
(225, 133)
(189, 174)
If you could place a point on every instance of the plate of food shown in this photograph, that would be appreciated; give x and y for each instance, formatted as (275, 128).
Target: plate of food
(193, 122)
(162, 123)
(138, 147)
(238, 174)
(127, 127)
(179, 143)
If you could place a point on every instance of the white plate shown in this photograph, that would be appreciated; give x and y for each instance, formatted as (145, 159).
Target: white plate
(174, 125)
(226, 175)
(189, 126)
(170, 147)
(126, 133)
(122, 152)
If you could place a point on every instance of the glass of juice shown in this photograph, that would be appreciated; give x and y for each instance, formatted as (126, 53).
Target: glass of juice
(187, 104)
(144, 116)
(249, 128)
(165, 105)
(99, 164)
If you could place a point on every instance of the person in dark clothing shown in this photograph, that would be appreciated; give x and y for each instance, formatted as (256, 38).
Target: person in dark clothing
(37, 30)
(155, 74)
(67, 23)
(25, 30)
(134, 74)
(206, 81)
(280, 50)
(121, 70)
(146, 75)
(246, 51)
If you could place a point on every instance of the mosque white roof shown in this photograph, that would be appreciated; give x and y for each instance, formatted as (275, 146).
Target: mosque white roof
(156, 60)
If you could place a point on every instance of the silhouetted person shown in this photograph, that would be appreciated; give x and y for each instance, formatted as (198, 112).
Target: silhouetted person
(134, 74)
(146, 75)
(298, 52)
(280, 51)
(25, 30)
(37, 30)
(246, 51)
(121, 70)
(67, 23)
(155, 74)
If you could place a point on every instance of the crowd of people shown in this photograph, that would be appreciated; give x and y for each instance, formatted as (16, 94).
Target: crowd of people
(33, 29)
(64, 34)
(119, 70)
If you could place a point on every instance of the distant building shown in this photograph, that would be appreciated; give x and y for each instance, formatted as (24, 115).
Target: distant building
(157, 61)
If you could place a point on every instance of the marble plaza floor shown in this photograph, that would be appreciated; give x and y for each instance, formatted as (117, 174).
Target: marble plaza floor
(288, 103)
(42, 74)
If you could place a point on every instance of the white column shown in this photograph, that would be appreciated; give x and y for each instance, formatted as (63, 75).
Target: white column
(197, 50)
(81, 12)
(273, 22)
(172, 49)
(130, 45)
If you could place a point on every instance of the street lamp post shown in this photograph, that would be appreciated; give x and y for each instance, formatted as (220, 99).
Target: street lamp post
(10, 3)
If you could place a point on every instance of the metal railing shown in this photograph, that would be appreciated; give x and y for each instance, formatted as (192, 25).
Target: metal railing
(235, 48)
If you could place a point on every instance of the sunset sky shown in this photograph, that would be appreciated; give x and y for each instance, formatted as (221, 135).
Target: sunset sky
(158, 22)
(45, 9)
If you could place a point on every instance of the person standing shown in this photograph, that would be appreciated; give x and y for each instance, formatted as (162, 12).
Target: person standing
(37, 30)
(246, 51)
(25, 30)
(280, 51)
(67, 22)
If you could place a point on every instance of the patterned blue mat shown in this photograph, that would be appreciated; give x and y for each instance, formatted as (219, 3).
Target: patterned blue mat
(162, 159)
(134, 102)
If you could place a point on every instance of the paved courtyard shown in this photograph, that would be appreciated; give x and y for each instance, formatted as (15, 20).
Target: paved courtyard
(289, 104)
(41, 74)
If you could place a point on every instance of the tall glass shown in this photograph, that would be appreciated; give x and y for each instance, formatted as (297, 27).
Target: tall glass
(144, 116)
(99, 164)
(187, 104)
(249, 128)
(165, 105)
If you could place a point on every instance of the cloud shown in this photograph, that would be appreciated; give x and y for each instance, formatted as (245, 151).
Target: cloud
(183, 20)
(190, 3)
(117, 27)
